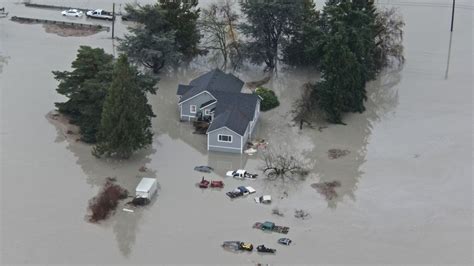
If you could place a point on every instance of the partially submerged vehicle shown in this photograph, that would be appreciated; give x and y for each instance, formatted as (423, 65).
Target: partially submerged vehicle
(265, 199)
(237, 245)
(213, 184)
(146, 188)
(271, 227)
(217, 184)
(240, 191)
(284, 241)
(144, 192)
(204, 183)
(241, 174)
(203, 168)
(262, 248)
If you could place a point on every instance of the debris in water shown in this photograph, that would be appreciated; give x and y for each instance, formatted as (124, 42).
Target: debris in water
(336, 153)
(277, 212)
(127, 210)
(200, 127)
(142, 169)
(321, 128)
(106, 202)
(254, 84)
(301, 214)
(250, 151)
(327, 189)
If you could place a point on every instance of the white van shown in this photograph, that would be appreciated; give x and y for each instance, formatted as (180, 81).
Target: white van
(146, 188)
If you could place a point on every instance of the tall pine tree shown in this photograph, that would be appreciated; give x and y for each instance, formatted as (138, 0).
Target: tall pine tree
(85, 87)
(126, 117)
(347, 44)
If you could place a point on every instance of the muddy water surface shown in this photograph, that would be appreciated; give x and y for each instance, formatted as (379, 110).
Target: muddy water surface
(406, 194)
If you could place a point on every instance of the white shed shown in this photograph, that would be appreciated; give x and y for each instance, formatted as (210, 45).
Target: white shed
(146, 188)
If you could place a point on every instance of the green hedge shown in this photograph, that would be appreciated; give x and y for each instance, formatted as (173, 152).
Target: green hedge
(269, 101)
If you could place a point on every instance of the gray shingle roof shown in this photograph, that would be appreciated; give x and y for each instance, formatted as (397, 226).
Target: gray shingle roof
(207, 103)
(215, 80)
(182, 89)
(234, 109)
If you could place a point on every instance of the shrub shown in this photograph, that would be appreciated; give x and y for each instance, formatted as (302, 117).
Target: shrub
(106, 202)
(269, 101)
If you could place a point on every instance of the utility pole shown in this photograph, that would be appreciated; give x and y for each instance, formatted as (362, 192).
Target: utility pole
(113, 21)
(452, 16)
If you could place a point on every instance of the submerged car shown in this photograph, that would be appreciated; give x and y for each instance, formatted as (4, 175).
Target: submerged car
(72, 13)
(265, 199)
(237, 245)
(262, 248)
(203, 168)
(284, 241)
(241, 174)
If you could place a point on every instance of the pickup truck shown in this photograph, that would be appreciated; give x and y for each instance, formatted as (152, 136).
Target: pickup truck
(99, 14)
(241, 174)
(269, 226)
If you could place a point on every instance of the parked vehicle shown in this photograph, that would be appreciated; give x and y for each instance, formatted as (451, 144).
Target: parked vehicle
(270, 226)
(204, 183)
(234, 194)
(262, 248)
(217, 184)
(72, 13)
(203, 168)
(240, 191)
(146, 188)
(237, 245)
(284, 241)
(99, 14)
(265, 199)
(241, 174)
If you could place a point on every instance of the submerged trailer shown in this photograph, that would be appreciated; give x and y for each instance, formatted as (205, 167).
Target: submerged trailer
(146, 188)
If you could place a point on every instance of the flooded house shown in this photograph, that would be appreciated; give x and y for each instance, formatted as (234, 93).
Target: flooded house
(217, 97)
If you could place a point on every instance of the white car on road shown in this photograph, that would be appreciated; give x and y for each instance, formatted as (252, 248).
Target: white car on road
(72, 13)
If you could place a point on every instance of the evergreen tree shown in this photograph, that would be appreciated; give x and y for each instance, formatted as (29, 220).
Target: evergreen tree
(167, 34)
(269, 24)
(182, 17)
(85, 87)
(299, 49)
(126, 118)
(347, 44)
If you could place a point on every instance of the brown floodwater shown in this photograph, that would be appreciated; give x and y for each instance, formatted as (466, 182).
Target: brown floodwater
(406, 186)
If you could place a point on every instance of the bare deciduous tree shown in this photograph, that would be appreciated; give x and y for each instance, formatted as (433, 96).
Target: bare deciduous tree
(280, 164)
(219, 22)
(389, 38)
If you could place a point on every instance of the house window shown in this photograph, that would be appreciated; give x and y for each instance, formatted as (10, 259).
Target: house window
(207, 112)
(225, 138)
(192, 109)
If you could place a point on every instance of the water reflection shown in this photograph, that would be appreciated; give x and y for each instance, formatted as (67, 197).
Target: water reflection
(382, 100)
(127, 174)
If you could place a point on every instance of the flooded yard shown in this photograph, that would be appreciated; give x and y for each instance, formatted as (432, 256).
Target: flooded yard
(405, 193)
